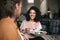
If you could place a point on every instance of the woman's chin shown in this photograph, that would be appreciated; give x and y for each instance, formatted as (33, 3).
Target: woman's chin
(32, 18)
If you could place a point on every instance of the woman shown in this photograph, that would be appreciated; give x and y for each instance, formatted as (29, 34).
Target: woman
(31, 23)
(9, 11)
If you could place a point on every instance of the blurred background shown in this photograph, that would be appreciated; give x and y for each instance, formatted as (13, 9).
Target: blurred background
(44, 5)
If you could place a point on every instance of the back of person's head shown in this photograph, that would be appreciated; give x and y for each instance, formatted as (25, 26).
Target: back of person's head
(38, 14)
(7, 8)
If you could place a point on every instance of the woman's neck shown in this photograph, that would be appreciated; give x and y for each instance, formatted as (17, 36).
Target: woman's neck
(32, 20)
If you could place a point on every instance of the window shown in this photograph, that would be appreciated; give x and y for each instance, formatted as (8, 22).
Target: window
(30, 1)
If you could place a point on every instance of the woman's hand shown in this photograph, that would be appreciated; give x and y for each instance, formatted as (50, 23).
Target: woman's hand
(27, 30)
(22, 30)
(25, 37)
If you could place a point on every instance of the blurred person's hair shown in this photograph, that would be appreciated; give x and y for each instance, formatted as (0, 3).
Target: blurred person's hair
(38, 14)
(7, 7)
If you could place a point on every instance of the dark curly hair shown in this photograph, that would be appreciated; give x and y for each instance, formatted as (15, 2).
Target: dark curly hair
(7, 7)
(38, 14)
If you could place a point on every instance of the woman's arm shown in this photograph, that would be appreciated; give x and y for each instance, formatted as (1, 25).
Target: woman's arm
(24, 31)
(22, 27)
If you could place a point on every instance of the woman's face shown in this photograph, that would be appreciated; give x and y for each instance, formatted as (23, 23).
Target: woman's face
(32, 14)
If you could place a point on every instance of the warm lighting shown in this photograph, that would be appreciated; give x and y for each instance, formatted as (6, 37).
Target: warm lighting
(30, 1)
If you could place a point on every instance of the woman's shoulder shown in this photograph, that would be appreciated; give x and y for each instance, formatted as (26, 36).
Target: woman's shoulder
(24, 21)
(38, 22)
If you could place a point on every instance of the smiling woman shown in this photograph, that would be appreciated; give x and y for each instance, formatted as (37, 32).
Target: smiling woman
(31, 24)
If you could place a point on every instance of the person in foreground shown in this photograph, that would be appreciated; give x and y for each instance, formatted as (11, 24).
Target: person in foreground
(9, 11)
(31, 24)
